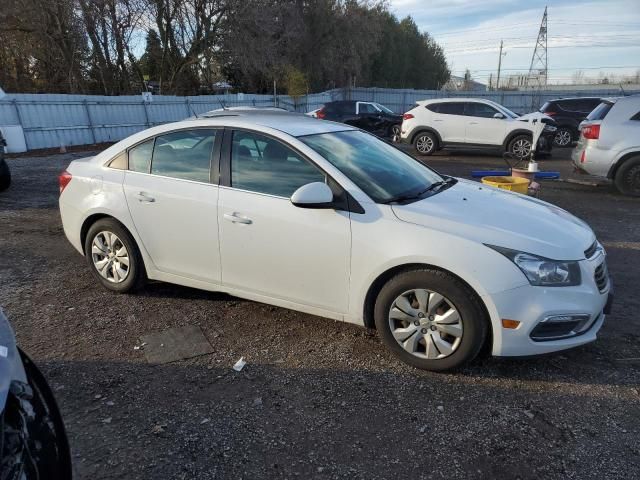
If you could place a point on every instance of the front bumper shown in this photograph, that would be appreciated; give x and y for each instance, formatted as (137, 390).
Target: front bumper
(531, 305)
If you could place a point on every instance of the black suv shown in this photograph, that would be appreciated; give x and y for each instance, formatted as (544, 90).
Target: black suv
(5, 174)
(369, 116)
(568, 113)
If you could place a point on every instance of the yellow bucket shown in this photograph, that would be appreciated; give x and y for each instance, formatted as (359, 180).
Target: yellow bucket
(515, 184)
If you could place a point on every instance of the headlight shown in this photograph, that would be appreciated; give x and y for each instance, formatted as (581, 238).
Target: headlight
(541, 271)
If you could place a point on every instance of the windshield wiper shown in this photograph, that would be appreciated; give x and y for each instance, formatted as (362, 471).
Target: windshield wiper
(404, 198)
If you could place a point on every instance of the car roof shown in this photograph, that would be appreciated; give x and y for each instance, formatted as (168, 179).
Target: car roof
(458, 100)
(294, 124)
(565, 99)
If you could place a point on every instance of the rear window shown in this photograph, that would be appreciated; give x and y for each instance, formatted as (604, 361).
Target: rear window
(545, 107)
(583, 105)
(600, 111)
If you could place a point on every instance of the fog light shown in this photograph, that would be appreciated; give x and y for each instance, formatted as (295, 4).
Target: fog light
(555, 327)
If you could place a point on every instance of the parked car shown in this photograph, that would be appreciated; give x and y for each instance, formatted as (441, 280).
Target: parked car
(471, 123)
(369, 116)
(327, 219)
(5, 173)
(33, 441)
(568, 113)
(609, 144)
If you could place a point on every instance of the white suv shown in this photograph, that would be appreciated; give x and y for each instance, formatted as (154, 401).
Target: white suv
(470, 122)
(609, 144)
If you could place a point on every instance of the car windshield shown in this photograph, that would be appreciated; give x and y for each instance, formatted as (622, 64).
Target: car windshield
(383, 172)
(384, 109)
(508, 112)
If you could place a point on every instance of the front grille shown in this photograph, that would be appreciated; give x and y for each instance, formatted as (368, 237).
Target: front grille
(591, 251)
(601, 276)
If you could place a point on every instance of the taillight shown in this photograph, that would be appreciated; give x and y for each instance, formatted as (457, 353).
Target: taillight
(320, 113)
(407, 116)
(551, 114)
(591, 132)
(63, 180)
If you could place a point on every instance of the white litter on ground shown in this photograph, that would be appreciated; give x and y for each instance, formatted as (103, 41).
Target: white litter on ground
(239, 365)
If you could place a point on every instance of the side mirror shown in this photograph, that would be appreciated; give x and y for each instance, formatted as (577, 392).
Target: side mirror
(313, 195)
(498, 115)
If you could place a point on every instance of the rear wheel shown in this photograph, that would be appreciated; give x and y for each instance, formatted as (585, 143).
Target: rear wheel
(113, 256)
(430, 319)
(425, 143)
(394, 133)
(563, 137)
(627, 178)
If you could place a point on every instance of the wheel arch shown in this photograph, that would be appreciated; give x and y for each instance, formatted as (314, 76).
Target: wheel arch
(514, 134)
(420, 130)
(93, 218)
(617, 164)
(384, 277)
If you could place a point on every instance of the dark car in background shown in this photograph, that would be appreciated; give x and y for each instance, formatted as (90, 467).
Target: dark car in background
(5, 174)
(568, 113)
(369, 116)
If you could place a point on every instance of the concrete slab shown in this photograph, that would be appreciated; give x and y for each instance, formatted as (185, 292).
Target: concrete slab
(175, 344)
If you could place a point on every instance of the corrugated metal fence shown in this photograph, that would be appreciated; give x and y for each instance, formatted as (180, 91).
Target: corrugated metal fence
(52, 120)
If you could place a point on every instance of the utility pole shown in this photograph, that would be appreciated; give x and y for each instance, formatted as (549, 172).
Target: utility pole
(500, 55)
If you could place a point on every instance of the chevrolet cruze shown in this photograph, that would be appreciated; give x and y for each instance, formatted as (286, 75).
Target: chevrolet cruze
(327, 219)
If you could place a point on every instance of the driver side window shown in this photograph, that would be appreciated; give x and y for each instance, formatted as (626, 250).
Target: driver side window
(480, 110)
(264, 165)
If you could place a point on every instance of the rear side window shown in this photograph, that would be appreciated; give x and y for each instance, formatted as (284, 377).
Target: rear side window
(140, 157)
(434, 107)
(636, 116)
(600, 111)
(452, 108)
(367, 108)
(546, 107)
(185, 155)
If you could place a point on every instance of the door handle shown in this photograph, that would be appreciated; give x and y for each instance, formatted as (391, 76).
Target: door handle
(473, 123)
(145, 198)
(437, 119)
(234, 218)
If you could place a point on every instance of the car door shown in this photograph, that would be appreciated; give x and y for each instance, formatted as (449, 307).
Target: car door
(482, 128)
(370, 118)
(449, 121)
(173, 201)
(268, 246)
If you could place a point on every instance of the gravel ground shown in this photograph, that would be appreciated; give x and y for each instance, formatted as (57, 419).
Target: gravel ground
(317, 398)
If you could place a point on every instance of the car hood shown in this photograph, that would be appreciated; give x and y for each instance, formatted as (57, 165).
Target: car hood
(496, 217)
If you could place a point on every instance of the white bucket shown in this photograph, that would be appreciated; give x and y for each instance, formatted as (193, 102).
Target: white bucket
(14, 135)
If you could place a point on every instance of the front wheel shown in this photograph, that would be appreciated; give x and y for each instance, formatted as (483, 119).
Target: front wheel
(520, 147)
(113, 256)
(430, 319)
(425, 143)
(627, 178)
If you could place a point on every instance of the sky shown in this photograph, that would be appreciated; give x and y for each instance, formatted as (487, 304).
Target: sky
(597, 38)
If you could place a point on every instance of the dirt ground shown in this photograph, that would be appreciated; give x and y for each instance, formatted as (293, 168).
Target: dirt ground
(317, 398)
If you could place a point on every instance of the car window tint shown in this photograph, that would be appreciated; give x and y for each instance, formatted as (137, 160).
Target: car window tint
(367, 108)
(265, 165)
(348, 107)
(474, 109)
(600, 111)
(120, 162)
(636, 116)
(140, 157)
(434, 107)
(185, 154)
(452, 108)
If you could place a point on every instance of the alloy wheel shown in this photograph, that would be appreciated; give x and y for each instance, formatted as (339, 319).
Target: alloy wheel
(521, 148)
(395, 134)
(424, 144)
(425, 324)
(110, 257)
(562, 138)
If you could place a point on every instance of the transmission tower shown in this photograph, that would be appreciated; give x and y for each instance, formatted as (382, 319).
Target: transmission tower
(537, 77)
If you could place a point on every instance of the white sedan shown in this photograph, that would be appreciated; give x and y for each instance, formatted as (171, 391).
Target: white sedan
(324, 218)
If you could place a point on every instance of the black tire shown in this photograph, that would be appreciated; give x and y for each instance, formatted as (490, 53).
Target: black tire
(5, 175)
(515, 144)
(425, 143)
(627, 178)
(394, 133)
(473, 317)
(136, 275)
(563, 137)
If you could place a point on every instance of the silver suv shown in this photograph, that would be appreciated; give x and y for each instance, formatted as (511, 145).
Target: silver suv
(609, 144)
